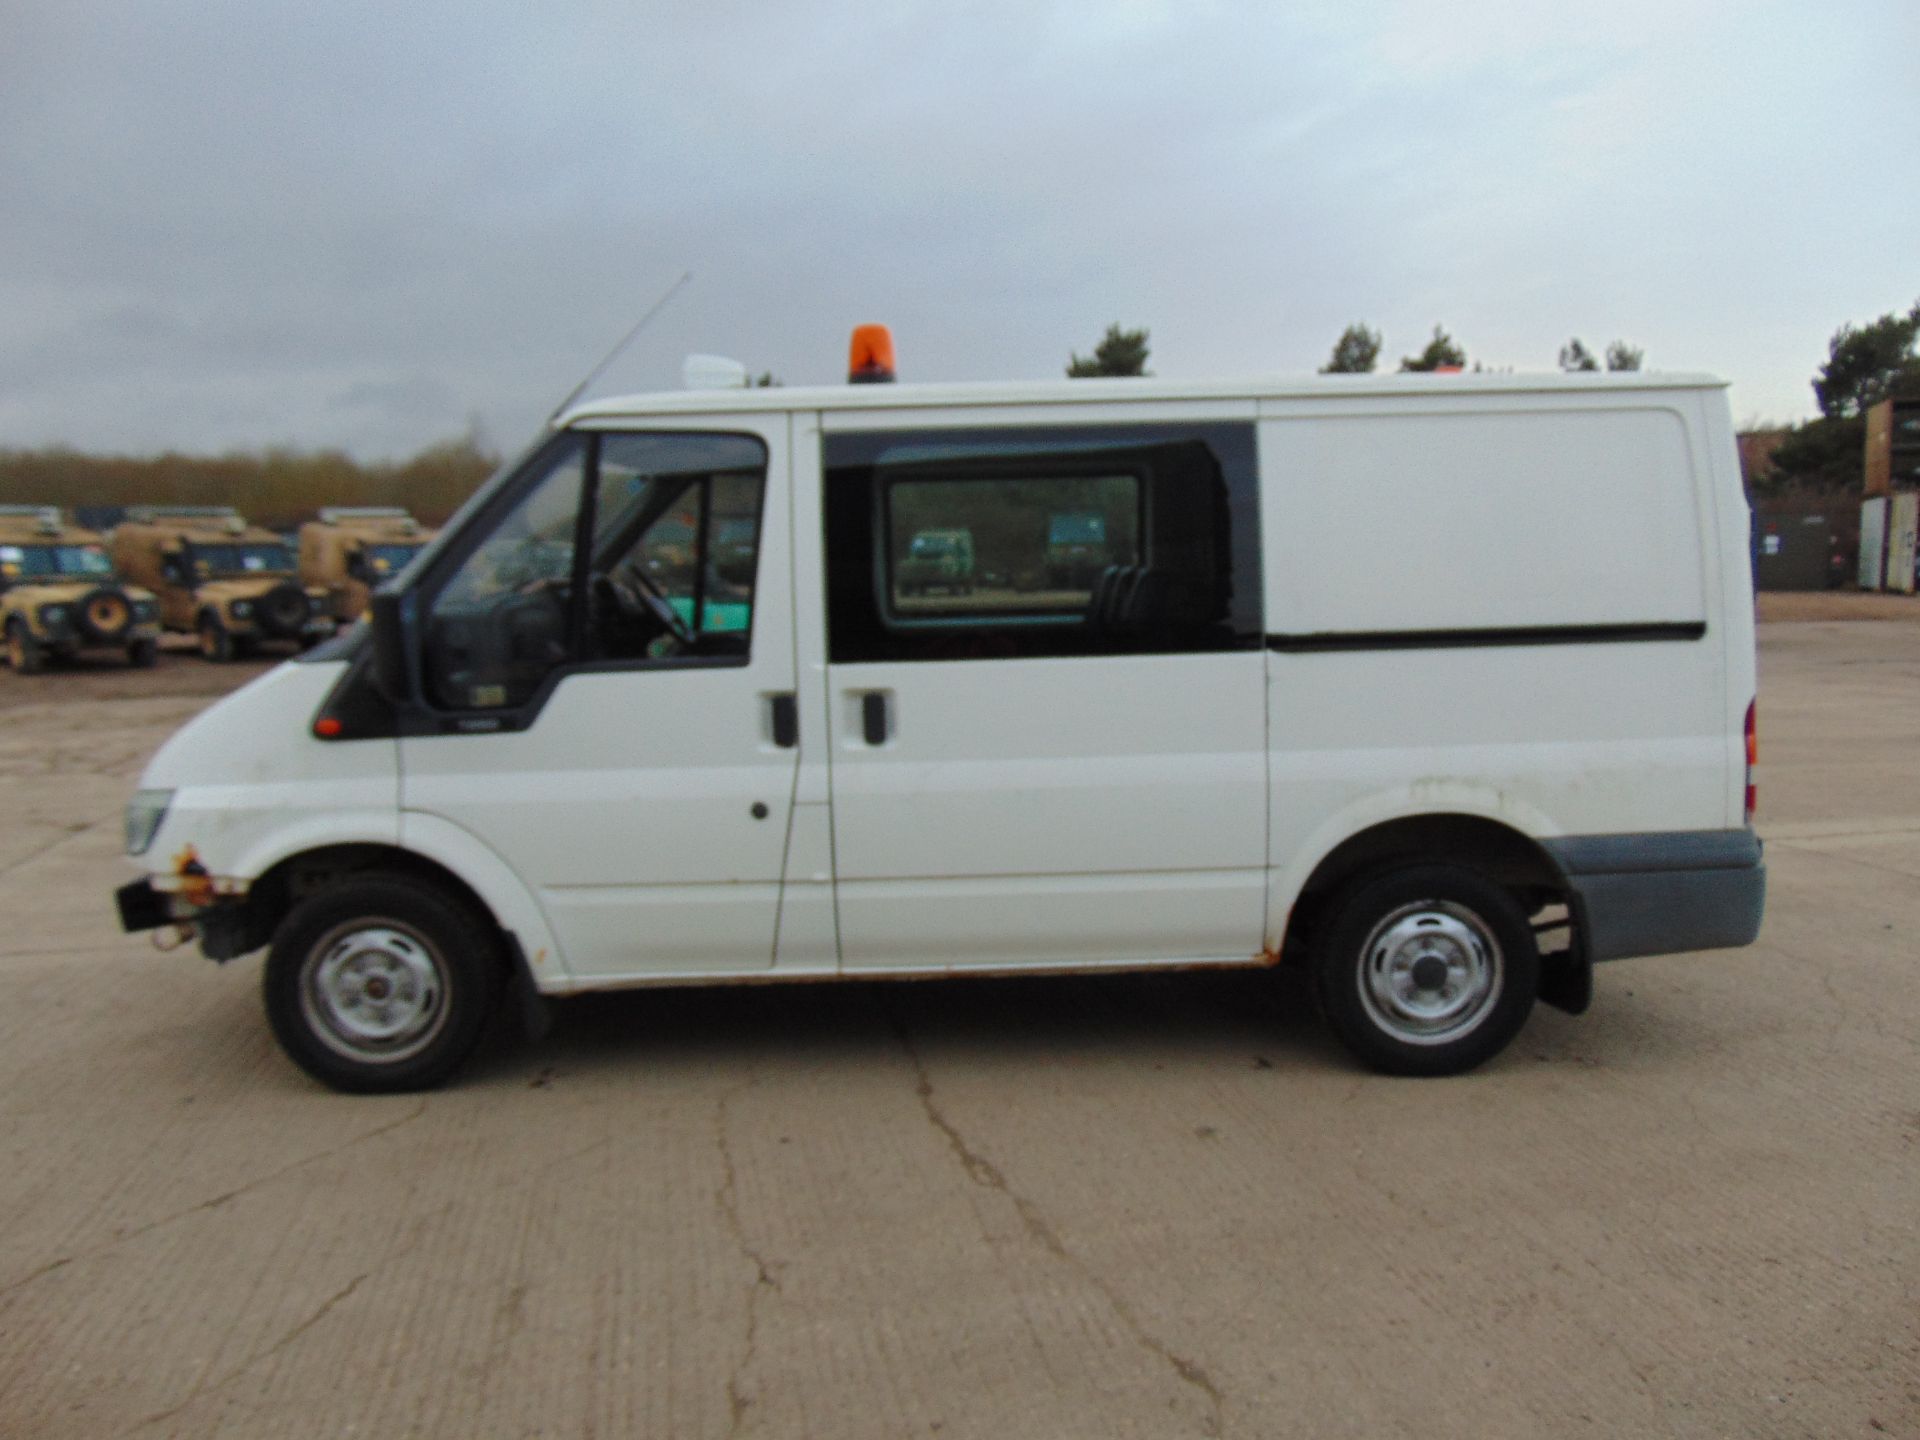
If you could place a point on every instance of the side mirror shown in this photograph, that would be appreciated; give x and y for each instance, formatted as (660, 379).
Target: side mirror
(390, 669)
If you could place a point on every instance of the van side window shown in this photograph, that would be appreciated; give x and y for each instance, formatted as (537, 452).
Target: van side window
(664, 574)
(676, 519)
(1009, 543)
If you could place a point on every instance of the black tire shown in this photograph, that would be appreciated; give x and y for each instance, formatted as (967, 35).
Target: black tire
(24, 653)
(1427, 970)
(343, 951)
(216, 641)
(142, 654)
(282, 612)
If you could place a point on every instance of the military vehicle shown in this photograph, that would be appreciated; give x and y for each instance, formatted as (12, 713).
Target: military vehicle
(231, 584)
(59, 595)
(938, 559)
(352, 550)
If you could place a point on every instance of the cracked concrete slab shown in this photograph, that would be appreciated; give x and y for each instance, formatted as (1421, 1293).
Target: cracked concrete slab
(1130, 1206)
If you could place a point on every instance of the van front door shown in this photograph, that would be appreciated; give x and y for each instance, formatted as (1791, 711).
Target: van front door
(1037, 765)
(607, 655)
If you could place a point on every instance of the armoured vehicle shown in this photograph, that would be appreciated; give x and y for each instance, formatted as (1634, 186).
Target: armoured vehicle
(938, 560)
(59, 595)
(352, 550)
(230, 583)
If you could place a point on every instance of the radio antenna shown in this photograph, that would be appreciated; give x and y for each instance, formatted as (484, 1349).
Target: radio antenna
(625, 340)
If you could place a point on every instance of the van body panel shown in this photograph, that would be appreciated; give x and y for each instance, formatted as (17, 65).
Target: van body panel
(1729, 579)
(252, 786)
(639, 838)
(1515, 610)
(1117, 809)
(808, 938)
(500, 889)
(1411, 519)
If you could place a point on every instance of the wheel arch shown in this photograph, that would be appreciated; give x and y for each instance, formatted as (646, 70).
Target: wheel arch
(1491, 846)
(306, 871)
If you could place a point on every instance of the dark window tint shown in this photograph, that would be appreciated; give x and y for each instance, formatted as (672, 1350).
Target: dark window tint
(981, 544)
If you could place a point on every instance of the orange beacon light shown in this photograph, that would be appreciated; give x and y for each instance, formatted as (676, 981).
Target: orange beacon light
(871, 359)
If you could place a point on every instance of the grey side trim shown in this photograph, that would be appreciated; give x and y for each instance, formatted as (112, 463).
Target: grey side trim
(1664, 893)
(1658, 851)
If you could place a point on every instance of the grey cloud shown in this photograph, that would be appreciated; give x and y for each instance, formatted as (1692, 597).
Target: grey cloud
(354, 225)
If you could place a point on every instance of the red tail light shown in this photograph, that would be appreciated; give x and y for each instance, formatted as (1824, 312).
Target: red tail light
(1753, 755)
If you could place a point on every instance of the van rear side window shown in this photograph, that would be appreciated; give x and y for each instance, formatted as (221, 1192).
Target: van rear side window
(985, 544)
(974, 547)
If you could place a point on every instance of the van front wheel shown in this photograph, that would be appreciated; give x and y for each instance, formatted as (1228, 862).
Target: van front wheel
(380, 985)
(1430, 970)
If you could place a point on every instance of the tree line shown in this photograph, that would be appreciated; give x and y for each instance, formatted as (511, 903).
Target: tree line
(1357, 352)
(1865, 364)
(278, 489)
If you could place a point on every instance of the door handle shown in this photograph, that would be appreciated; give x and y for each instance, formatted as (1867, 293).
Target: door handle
(873, 717)
(786, 720)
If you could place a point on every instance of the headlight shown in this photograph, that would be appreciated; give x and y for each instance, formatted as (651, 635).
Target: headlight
(241, 609)
(144, 813)
(53, 614)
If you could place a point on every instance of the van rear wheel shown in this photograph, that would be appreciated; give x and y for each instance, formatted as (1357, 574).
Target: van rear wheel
(1427, 970)
(382, 984)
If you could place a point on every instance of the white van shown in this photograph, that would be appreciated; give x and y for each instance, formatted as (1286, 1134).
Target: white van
(1398, 678)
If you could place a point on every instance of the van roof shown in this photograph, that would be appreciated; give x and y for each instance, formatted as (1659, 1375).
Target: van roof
(1121, 391)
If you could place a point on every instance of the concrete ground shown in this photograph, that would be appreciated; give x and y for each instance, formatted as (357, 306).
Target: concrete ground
(1121, 1207)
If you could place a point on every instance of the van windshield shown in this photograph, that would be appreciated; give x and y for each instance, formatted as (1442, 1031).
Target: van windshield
(261, 559)
(40, 561)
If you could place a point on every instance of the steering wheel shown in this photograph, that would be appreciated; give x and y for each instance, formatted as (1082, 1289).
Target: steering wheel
(662, 608)
(628, 607)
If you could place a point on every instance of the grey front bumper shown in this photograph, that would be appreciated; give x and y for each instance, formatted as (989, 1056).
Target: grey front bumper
(1658, 894)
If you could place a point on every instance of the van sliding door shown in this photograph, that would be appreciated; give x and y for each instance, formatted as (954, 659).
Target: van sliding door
(1046, 693)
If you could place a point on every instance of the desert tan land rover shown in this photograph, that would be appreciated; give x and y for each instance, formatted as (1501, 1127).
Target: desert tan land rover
(352, 550)
(231, 584)
(59, 595)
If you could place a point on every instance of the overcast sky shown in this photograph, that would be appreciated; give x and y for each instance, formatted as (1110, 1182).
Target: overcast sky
(228, 223)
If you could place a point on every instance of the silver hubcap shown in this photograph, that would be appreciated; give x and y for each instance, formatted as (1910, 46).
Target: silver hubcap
(374, 990)
(1430, 972)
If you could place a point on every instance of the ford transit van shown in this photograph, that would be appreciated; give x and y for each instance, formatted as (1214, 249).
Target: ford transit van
(1440, 687)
